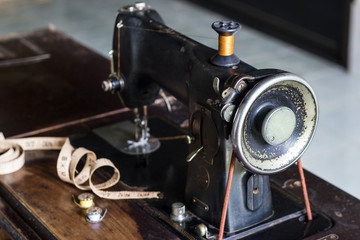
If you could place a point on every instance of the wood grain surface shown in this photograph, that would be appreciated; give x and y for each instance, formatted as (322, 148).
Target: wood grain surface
(47, 203)
(59, 95)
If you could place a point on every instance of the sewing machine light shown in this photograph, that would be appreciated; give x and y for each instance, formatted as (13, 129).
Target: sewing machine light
(274, 123)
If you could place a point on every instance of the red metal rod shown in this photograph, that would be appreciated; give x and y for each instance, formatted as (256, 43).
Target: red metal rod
(304, 189)
(226, 199)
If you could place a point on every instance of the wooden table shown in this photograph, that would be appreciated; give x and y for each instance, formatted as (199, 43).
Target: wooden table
(58, 92)
(53, 88)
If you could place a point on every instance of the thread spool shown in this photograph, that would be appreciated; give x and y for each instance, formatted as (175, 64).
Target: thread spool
(85, 200)
(226, 45)
(225, 56)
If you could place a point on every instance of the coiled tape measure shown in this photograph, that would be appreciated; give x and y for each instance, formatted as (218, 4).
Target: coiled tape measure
(12, 158)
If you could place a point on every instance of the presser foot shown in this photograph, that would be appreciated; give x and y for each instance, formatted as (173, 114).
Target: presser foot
(142, 144)
(141, 147)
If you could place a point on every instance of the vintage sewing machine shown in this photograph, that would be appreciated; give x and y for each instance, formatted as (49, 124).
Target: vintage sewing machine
(194, 113)
(265, 118)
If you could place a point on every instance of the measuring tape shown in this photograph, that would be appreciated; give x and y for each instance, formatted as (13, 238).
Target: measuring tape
(12, 158)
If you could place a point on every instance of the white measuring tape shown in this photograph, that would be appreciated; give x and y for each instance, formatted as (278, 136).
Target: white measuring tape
(12, 158)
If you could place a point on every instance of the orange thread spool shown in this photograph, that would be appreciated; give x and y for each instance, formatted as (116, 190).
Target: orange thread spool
(225, 56)
(226, 45)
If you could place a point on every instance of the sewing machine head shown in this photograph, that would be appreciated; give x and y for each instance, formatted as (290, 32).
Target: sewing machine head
(265, 118)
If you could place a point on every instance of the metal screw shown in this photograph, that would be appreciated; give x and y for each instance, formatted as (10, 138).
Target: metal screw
(201, 230)
(178, 211)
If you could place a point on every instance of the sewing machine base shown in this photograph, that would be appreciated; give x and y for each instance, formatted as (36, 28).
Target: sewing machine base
(164, 171)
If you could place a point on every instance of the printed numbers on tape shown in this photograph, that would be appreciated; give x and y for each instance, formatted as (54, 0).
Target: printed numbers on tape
(12, 158)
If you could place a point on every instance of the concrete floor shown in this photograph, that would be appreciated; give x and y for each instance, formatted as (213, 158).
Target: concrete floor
(334, 153)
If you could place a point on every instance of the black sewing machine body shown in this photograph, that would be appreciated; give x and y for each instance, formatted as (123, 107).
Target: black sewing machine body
(147, 56)
(183, 68)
